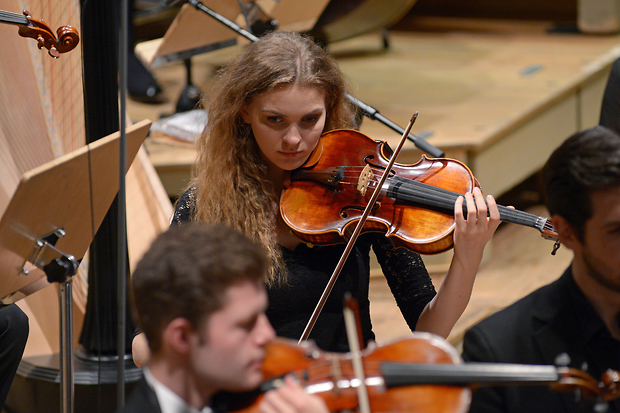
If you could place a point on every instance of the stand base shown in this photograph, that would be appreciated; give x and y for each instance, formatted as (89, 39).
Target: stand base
(36, 387)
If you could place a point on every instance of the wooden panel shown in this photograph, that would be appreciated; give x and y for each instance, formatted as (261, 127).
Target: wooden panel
(343, 20)
(294, 15)
(149, 211)
(591, 99)
(193, 28)
(517, 155)
(22, 119)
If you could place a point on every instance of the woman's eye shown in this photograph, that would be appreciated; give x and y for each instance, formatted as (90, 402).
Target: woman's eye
(312, 119)
(274, 119)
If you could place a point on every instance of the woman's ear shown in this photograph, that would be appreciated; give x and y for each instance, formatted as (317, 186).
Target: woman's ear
(244, 113)
(566, 233)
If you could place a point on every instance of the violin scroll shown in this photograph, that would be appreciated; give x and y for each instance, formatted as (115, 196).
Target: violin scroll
(67, 40)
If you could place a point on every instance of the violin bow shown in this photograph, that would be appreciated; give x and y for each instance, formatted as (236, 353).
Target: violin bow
(355, 234)
(67, 40)
(356, 343)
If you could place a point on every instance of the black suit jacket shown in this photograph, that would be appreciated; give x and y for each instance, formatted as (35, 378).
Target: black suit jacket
(535, 330)
(142, 400)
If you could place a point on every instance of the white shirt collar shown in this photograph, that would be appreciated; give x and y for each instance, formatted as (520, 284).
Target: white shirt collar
(169, 401)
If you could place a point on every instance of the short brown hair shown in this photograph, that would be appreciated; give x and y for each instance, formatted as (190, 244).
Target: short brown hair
(586, 162)
(186, 272)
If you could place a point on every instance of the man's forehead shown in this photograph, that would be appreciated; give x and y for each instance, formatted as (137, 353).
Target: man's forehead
(244, 294)
(605, 204)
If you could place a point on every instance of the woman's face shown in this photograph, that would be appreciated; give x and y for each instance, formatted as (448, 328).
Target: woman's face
(287, 123)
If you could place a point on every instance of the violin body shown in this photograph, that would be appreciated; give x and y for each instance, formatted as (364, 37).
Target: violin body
(331, 376)
(324, 214)
(423, 373)
(326, 197)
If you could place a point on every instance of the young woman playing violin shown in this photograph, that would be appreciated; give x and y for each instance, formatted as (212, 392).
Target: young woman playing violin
(267, 112)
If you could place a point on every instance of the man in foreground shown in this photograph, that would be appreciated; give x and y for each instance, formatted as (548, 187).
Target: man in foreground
(200, 300)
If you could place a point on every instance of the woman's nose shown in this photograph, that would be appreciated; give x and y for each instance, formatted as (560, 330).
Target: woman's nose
(292, 137)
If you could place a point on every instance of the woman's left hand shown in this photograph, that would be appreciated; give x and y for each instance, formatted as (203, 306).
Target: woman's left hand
(473, 232)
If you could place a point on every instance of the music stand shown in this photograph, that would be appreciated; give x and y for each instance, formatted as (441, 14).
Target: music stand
(50, 223)
(193, 32)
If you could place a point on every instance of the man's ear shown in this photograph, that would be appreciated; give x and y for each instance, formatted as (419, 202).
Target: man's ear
(566, 233)
(177, 335)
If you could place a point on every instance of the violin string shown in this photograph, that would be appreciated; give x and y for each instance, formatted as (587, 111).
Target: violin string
(13, 18)
(430, 195)
(410, 190)
(415, 191)
(323, 370)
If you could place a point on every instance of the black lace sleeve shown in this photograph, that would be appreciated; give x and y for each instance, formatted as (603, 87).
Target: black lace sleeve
(184, 208)
(407, 277)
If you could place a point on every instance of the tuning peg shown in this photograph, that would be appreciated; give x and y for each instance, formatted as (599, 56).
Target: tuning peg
(562, 360)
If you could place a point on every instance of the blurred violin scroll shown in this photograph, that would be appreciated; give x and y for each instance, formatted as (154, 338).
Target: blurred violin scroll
(66, 41)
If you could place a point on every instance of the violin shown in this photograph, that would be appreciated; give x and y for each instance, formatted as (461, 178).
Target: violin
(324, 199)
(67, 40)
(419, 374)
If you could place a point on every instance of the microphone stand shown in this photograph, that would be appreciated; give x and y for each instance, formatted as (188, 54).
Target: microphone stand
(367, 110)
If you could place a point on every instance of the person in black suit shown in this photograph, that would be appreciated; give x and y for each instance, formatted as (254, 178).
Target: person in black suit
(14, 329)
(610, 109)
(200, 300)
(578, 315)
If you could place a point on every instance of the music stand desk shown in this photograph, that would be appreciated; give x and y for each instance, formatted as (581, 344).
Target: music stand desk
(53, 217)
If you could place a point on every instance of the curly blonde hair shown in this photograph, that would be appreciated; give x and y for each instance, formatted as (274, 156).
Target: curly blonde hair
(230, 174)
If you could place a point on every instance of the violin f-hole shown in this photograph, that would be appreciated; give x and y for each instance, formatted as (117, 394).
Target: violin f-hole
(344, 214)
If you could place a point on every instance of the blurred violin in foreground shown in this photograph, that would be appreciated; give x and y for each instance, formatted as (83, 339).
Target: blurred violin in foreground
(67, 40)
(419, 374)
(324, 199)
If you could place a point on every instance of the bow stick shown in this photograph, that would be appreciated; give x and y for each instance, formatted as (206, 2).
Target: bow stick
(355, 234)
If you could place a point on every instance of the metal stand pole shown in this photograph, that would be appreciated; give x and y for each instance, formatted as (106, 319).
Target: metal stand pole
(60, 270)
(66, 346)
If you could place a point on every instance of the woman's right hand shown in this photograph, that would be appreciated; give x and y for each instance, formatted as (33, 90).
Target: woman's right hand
(291, 398)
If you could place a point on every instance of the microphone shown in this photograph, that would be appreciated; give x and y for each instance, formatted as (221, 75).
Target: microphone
(374, 114)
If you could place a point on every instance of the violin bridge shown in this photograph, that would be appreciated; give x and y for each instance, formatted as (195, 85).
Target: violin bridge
(366, 176)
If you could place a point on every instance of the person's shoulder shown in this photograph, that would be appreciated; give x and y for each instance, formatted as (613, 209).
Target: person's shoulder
(141, 400)
(505, 336)
(524, 307)
(188, 196)
(184, 207)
